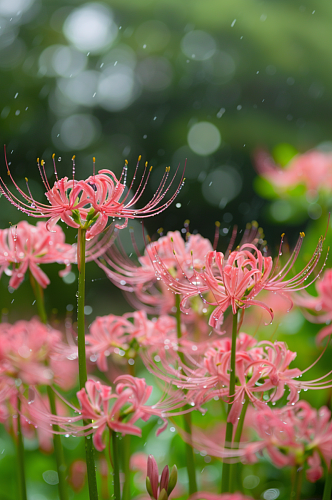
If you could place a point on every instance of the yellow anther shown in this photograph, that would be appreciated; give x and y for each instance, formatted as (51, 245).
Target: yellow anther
(53, 156)
(93, 159)
(217, 223)
(151, 168)
(254, 223)
(42, 163)
(184, 179)
(139, 158)
(302, 234)
(172, 239)
(73, 158)
(187, 222)
(174, 252)
(126, 162)
(26, 179)
(160, 230)
(146, 164)
(282, 235)
(37, 160)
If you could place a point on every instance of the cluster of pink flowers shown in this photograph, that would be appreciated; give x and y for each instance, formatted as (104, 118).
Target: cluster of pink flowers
(312, 169)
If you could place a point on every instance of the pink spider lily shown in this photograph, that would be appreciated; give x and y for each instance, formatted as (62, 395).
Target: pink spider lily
(89, 203)
(320, 305)
(312, 169)
(24, 247)
(27, 347)
(141, 280)
(235, 280)
(118, 411)
(262, 371)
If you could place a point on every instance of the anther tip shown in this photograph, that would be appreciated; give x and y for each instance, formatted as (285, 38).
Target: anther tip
(37, 160)
(126, 162)
(26, 179)
(217, 223)
(139, 158)
(73, 158)
(282, 235)
(151, 168)
(94, 159)
(53, 156)
(302, 234)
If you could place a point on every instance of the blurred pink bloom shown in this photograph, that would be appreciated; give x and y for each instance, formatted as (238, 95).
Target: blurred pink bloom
(24, 247)
(312, 169)
(140, 279)
(236, 280)
(27, 347)
(320, 305)
(91, 202)
(77, 475)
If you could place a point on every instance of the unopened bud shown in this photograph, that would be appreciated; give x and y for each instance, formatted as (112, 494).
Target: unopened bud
(173, 478)
(164, 478)
(149, 487)
(163, 495)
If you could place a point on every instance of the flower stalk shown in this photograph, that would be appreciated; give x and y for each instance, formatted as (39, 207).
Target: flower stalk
(116, 469)
(190, 461)
(328, 484)
(236, 468)
(20, 454)
(58, 448)
(126, 466)
(89, 450)
(226, 471)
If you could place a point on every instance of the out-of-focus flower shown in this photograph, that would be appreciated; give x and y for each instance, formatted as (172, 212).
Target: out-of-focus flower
(204, 495)
(24, 247)
(159, 488)
(77, 475)
(312, 169)
(235, 280)
(321, 305)
(32, 352)
(89, 203)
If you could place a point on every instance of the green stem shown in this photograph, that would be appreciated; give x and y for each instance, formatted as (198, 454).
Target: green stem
(328, 484)
(190, 460)
(116, 469)
(296, 489)
(125, 448)
(235, 472)
(58, 449)
(226, 471)
(20, 455)
(39, 294)
(89, 449)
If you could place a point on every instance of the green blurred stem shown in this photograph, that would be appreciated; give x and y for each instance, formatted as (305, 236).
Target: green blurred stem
(236, 468)
(39, 295)
(125, 448)
(58, 449)
(296, 489)
(328, 484)
(89, 449)
(190, 461)
(226, 470)
(116, 469)
(20, 454)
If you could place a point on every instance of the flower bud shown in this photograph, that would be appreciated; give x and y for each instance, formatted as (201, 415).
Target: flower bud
(163, 495)
(173, 477)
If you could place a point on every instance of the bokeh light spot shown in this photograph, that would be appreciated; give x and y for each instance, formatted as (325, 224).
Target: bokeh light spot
(204, 138)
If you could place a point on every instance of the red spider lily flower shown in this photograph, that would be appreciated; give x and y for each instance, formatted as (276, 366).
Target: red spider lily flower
(320, 305)
(89, 203)
(312, 169)
(235, 280)
(24, 247)
(146, 289)
(119, 410)
(27, 347)
(262, 370)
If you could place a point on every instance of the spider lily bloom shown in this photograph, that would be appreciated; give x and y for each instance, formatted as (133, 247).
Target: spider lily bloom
(262, 371)
(148, 289)
(236, 280)
(298, 436)
(24, 247)
(312, 169)
(26, 348)
(89, 203)
(320, 305)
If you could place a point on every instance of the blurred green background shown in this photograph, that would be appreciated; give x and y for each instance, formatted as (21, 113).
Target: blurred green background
(207, 81)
